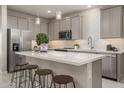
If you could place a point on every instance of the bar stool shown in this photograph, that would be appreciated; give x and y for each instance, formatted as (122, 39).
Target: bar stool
(17, 68)
(21, 64)
(63, 79)
(30, 69)
(43, 75)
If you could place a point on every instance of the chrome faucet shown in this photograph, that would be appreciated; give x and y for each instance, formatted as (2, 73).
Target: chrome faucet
(90, 42)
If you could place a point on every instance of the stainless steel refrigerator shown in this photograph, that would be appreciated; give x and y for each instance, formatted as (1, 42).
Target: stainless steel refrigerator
(17, 40)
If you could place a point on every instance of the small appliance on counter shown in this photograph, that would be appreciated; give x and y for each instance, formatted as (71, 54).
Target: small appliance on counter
(76, 46)
(109, 47)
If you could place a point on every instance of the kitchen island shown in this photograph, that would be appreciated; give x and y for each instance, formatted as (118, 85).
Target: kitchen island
(85, 68)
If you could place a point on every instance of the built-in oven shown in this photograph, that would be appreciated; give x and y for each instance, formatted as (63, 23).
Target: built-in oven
(65, 35)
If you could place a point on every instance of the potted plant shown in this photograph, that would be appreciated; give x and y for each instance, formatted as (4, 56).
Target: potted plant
(42, 41)
(76, 46)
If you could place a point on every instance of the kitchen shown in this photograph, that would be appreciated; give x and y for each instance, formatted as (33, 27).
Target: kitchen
(86, 32)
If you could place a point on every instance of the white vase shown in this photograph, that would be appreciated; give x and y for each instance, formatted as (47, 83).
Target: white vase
(44, 47)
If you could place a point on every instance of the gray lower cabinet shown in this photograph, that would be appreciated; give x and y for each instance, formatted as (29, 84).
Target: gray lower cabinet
(109, 67)
(12, 22)
(111, 22)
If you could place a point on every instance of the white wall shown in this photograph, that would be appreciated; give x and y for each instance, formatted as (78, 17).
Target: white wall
(91, 27)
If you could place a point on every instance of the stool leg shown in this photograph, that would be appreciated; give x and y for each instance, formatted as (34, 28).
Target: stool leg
(65, 85)
(31, 78)
(34, 80)
(28, 79)
(12, 79)
(51, 84)
(16, 80)
(44, 82)
(20, 78)
(47, 81)
(59, 85)
(54, 85)
(73, 84)
(25, 77)
(40, 83)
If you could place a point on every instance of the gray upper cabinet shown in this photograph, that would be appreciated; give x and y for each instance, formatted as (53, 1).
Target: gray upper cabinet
(12, 22)
(111, 22)
(65, 24)
(23, 23)
(68, 24)
(72, 23)
(75, 27)
(32, 27)
(51, 31)
(44, 28)
(36, 30)
(56, 30)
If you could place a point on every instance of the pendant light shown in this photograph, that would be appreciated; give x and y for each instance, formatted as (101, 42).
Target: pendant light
(58, 15)
(37, 20)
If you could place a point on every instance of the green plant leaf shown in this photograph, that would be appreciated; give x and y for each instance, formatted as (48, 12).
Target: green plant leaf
(41, 38)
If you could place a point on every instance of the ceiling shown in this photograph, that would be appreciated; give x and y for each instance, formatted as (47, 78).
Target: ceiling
(41, 10)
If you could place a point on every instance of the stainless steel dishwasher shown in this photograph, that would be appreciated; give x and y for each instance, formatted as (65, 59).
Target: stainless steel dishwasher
(109, 66)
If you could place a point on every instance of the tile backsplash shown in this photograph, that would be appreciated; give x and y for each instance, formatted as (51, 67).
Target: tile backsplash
(99, 44)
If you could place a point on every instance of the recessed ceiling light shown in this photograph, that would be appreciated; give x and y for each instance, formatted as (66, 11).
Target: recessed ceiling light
(49, 11)
(89, 6)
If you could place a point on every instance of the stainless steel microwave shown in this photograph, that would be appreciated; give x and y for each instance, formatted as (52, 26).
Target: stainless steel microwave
(65, 35)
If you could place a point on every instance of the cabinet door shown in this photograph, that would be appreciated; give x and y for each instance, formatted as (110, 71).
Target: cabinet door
(62, 25)
(32, 27)
(44, 28)
(116, 22)
(51, 31)
(36, 30)
(75, 21)
(11, 22)
(105, 23)
(56, 30)
(65, 24)
(68, 24)
(23, 23)
(109, 66)
(111, 23)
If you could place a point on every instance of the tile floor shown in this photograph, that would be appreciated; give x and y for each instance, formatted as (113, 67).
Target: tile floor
(5, 82)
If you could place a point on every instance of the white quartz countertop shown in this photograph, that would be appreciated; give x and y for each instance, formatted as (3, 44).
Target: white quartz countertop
(72, 58)
(97, 51)
(92, 51)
